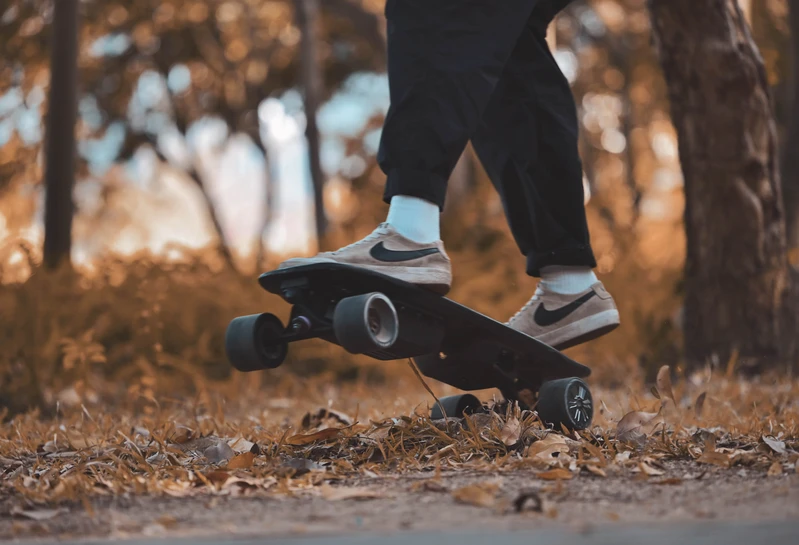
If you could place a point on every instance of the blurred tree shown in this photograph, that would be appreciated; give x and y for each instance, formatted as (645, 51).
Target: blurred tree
(735, 273)
(790, 157)
(60, 148)
(192, 60)
(313, 89)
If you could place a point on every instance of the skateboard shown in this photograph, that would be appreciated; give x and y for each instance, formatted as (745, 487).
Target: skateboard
(369, 313)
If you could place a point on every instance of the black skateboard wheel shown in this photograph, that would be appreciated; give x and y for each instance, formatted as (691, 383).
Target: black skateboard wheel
(252, 343)
(365, 323)
(456, 406)
(565, 402)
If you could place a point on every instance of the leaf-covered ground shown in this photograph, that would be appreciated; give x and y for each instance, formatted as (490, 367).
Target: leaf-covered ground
(708, 446)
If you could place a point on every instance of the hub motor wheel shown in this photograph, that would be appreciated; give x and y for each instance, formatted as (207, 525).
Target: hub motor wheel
(252, 343)
(566, 402)
(456, 406)
(365, 323)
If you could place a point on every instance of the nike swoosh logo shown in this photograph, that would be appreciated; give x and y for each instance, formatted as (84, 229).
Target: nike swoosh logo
(381, 253)
(544, 317)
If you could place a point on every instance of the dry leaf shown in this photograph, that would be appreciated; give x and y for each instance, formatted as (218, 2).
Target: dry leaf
(629, 427)
(775, 444)
(331, 493)
(301, 466)
(663, 383)
(510, 432)
(322, 435)
(480, 495)
(699, 404)
(240, 444)
(715, 458)
(649, 470)
(598, 471)
(558, 474)
(528, 500)
(775, 469)
(242, 461)
(668, 481)
(218, 453)
(37, 514)
(549, 449)
(313, 420)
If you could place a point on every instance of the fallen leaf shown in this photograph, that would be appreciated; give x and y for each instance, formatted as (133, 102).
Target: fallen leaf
(558, 474)
(663, 383)
(217, 477)
(313, 420)
(167, 521)
(510, 432)
(775, 444)
(242, 461)
(331, 493)
(649, 470)
(240, 445)
(631, 423)
(548, 449)
(321, 435)
(598, 471)
(668, 481)
(775, 469)
(218, 453)
(428, 485)
(528, 500)
(480, 495)
(715, 458)
(37, 514)
(301, 466)
(699, 404)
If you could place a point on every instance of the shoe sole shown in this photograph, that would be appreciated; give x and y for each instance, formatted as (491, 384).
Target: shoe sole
(582, 331)
(419, 276)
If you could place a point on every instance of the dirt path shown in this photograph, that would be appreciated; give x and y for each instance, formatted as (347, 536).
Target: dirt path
(422, 502)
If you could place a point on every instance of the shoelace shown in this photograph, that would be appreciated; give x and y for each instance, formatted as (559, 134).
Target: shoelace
(535, 298)
(381, 230)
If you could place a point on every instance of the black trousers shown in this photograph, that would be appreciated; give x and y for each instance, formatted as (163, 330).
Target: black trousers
(482, 70)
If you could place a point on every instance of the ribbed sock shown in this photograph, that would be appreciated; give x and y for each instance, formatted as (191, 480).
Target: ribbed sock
(414, 218)
(566, 280)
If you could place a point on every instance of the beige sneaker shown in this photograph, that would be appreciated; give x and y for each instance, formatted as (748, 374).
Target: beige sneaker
(387, 252)
(562, 321)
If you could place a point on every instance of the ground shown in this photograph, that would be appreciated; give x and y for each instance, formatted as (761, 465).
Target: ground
(717, 449)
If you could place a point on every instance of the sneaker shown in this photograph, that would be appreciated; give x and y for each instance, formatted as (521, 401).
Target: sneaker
(387, 252)
(562, 321)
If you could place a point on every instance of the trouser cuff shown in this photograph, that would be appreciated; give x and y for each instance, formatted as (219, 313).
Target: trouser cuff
(578, 256)
(416, 183)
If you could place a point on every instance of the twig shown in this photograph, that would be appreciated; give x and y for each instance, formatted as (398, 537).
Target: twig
(426, 387)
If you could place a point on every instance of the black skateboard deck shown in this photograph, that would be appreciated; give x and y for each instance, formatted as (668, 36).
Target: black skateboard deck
(448, 341)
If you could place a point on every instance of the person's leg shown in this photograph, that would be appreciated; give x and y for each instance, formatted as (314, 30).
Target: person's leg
(527, 142)
(444, 60)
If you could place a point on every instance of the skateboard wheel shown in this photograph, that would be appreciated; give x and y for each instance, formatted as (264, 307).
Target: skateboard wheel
(252, 343)
(456, 406)
(365, 323)
(565, 402)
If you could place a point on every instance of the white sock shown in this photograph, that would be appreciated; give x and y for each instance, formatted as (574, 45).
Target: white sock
(414, 218)
(566, 280)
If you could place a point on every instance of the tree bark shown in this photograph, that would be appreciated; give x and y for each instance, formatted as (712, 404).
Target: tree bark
(790, 157)
(308, 21)
(736, 268)
(60, 139)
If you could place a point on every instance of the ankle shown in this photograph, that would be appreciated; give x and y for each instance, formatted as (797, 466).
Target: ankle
(566, 280)
(415, 219)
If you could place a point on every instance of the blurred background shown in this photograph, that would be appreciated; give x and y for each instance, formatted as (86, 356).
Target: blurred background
(215, 138)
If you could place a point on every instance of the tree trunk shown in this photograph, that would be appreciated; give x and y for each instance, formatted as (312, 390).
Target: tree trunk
(736, 269)
(308, 21)
(790, 157)
(60, 139)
